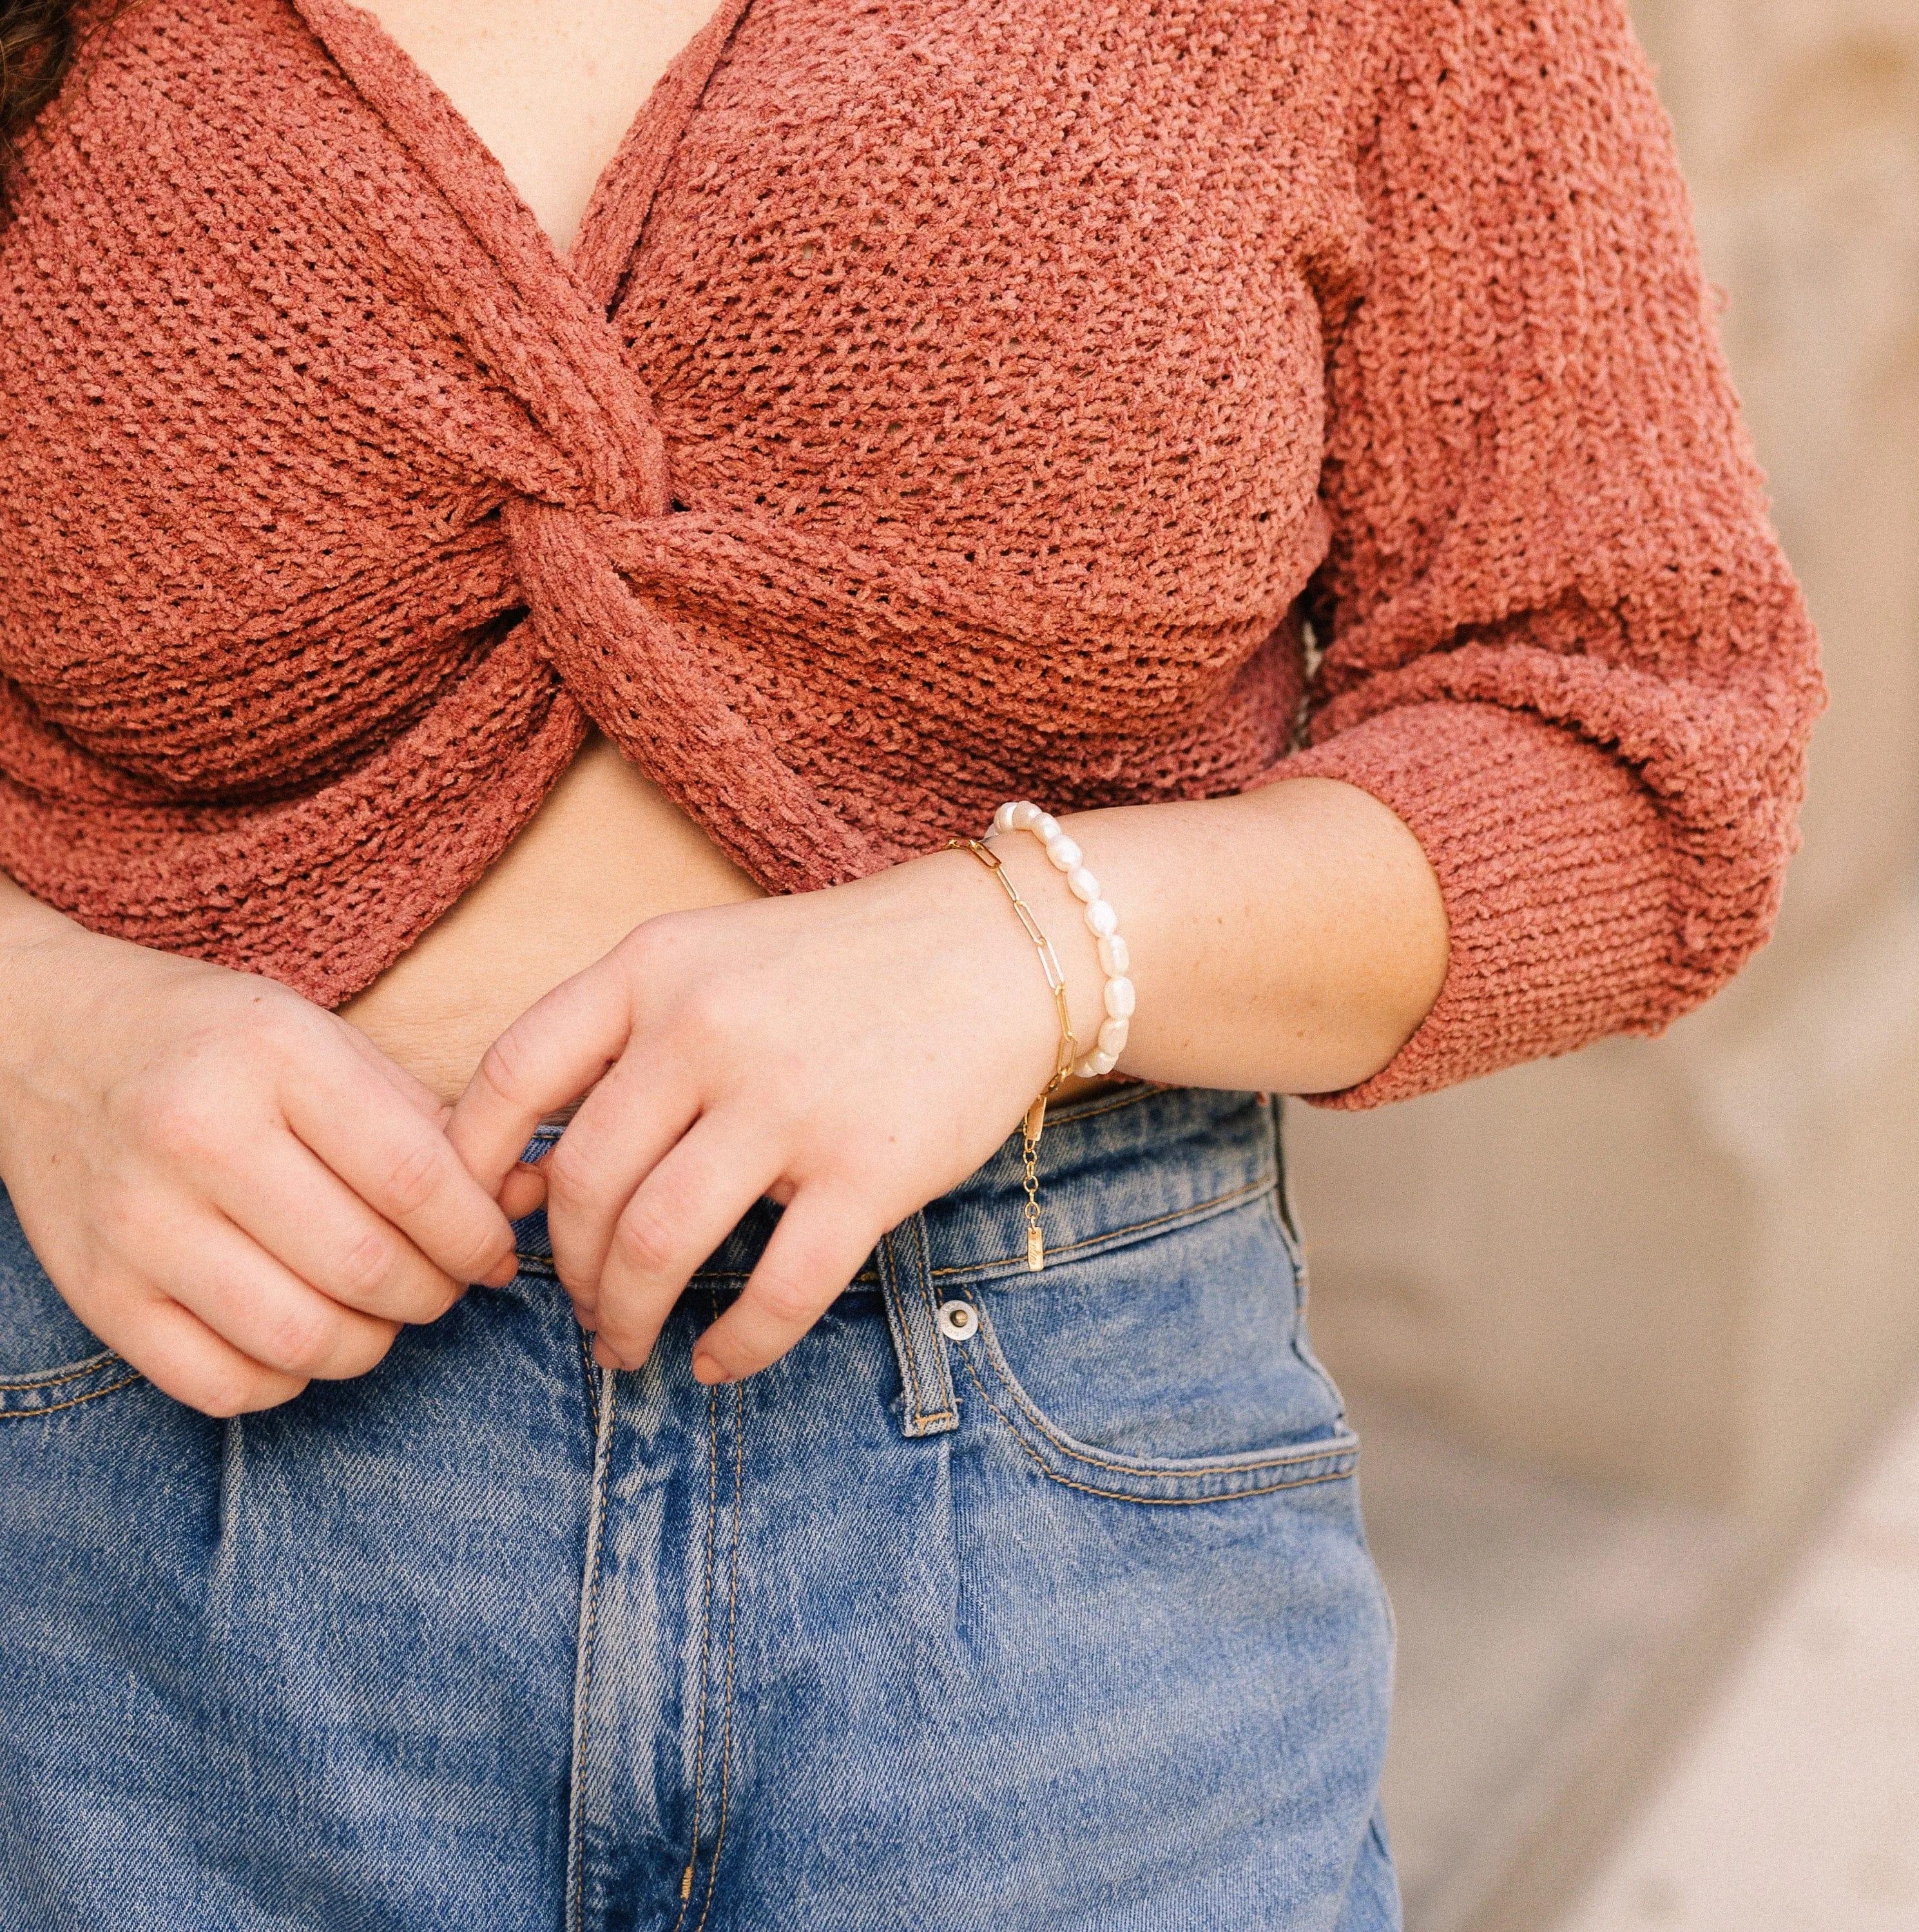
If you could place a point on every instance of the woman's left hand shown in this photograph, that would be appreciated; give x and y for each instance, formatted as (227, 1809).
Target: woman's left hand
(857, 1052)
(852, 1053)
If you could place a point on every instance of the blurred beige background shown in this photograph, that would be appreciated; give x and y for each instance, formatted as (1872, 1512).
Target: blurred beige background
(1622, 1326)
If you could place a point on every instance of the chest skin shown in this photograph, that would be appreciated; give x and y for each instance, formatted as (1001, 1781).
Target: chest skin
(550, 93)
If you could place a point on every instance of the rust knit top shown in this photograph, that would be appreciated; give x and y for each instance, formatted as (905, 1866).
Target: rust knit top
(942, 403)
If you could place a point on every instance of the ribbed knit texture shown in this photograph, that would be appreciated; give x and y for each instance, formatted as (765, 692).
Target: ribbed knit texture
(941, 404)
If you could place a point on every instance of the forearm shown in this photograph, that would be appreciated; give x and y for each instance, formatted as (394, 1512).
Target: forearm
(1290, 938)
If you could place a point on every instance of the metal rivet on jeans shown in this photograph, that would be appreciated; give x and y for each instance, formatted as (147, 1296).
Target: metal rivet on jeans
(958, 1322)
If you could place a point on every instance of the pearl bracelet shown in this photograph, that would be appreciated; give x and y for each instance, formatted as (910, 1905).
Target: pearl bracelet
(1102, 921)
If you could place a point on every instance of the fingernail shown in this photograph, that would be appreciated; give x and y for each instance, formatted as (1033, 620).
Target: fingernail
(707, 1370)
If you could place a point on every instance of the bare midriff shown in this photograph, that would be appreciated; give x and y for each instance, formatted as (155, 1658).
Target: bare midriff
(551, 90)
(605, 852)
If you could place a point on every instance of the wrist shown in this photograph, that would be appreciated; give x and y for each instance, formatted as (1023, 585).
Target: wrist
(1006, 963)
(49, 964)
(1060, 917)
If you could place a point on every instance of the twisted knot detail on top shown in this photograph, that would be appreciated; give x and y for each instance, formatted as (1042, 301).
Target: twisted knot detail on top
(939, 405)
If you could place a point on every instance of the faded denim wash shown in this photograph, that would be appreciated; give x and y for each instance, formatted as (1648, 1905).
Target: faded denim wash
(1051, 1615)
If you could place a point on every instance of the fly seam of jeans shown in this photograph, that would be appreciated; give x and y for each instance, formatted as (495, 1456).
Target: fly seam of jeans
(705, 1652)
(590, 1371)
(72, 1402)
(1274, 1459)
(733, 1622)
(583, 1674)
(1261, 1184)
(1163, 1502)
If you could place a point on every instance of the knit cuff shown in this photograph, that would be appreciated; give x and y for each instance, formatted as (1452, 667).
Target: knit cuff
(1553, 863)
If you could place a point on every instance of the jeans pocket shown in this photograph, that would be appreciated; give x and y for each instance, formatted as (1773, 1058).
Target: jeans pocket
(1170, 1370)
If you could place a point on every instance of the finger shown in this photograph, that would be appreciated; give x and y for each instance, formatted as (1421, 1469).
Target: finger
(817, 1249)
(625, 1126)
(525, 1189)
(183, 1357)
(302, 1213)
(409, 1087)
(401, 1165)
(683, 1210)
(249, 1300)
(552, 1053)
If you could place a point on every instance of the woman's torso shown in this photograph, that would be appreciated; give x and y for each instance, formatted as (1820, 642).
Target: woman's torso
(858, 468)
(551, 92)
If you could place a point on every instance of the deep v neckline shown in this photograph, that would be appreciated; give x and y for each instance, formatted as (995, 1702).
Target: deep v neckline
(418, 113)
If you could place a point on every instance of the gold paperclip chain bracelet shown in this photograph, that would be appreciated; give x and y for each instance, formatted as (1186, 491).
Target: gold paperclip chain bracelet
(1035, 1121)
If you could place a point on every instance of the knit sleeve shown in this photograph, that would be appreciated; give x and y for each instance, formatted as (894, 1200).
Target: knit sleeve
(1560, 640)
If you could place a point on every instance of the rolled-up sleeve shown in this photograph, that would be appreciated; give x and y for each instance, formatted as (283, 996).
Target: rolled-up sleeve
(1559, 637)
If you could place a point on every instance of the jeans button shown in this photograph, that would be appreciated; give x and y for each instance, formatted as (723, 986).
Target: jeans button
(958, 1321)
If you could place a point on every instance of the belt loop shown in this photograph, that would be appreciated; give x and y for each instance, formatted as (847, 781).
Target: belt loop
(926, 1376)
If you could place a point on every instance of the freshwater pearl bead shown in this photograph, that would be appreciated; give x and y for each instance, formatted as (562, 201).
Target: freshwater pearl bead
(1002, 819)
(1021, 816)
(1045, 828)
(1113, 1036)
(1094, 1065)
(1102, 921)
(1063, 852)
(1119, 998)
(1114, 958)
(1083, 885)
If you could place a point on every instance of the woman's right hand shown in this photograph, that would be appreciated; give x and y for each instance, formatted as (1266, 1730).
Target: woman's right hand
(229, 1186)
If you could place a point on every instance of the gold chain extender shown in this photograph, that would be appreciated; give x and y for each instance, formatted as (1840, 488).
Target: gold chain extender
(1035, 1121)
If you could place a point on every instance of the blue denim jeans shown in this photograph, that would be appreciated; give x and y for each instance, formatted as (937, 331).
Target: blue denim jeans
(1006, 1601)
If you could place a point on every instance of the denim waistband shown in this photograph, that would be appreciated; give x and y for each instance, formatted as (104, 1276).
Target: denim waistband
(1116, 1166)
